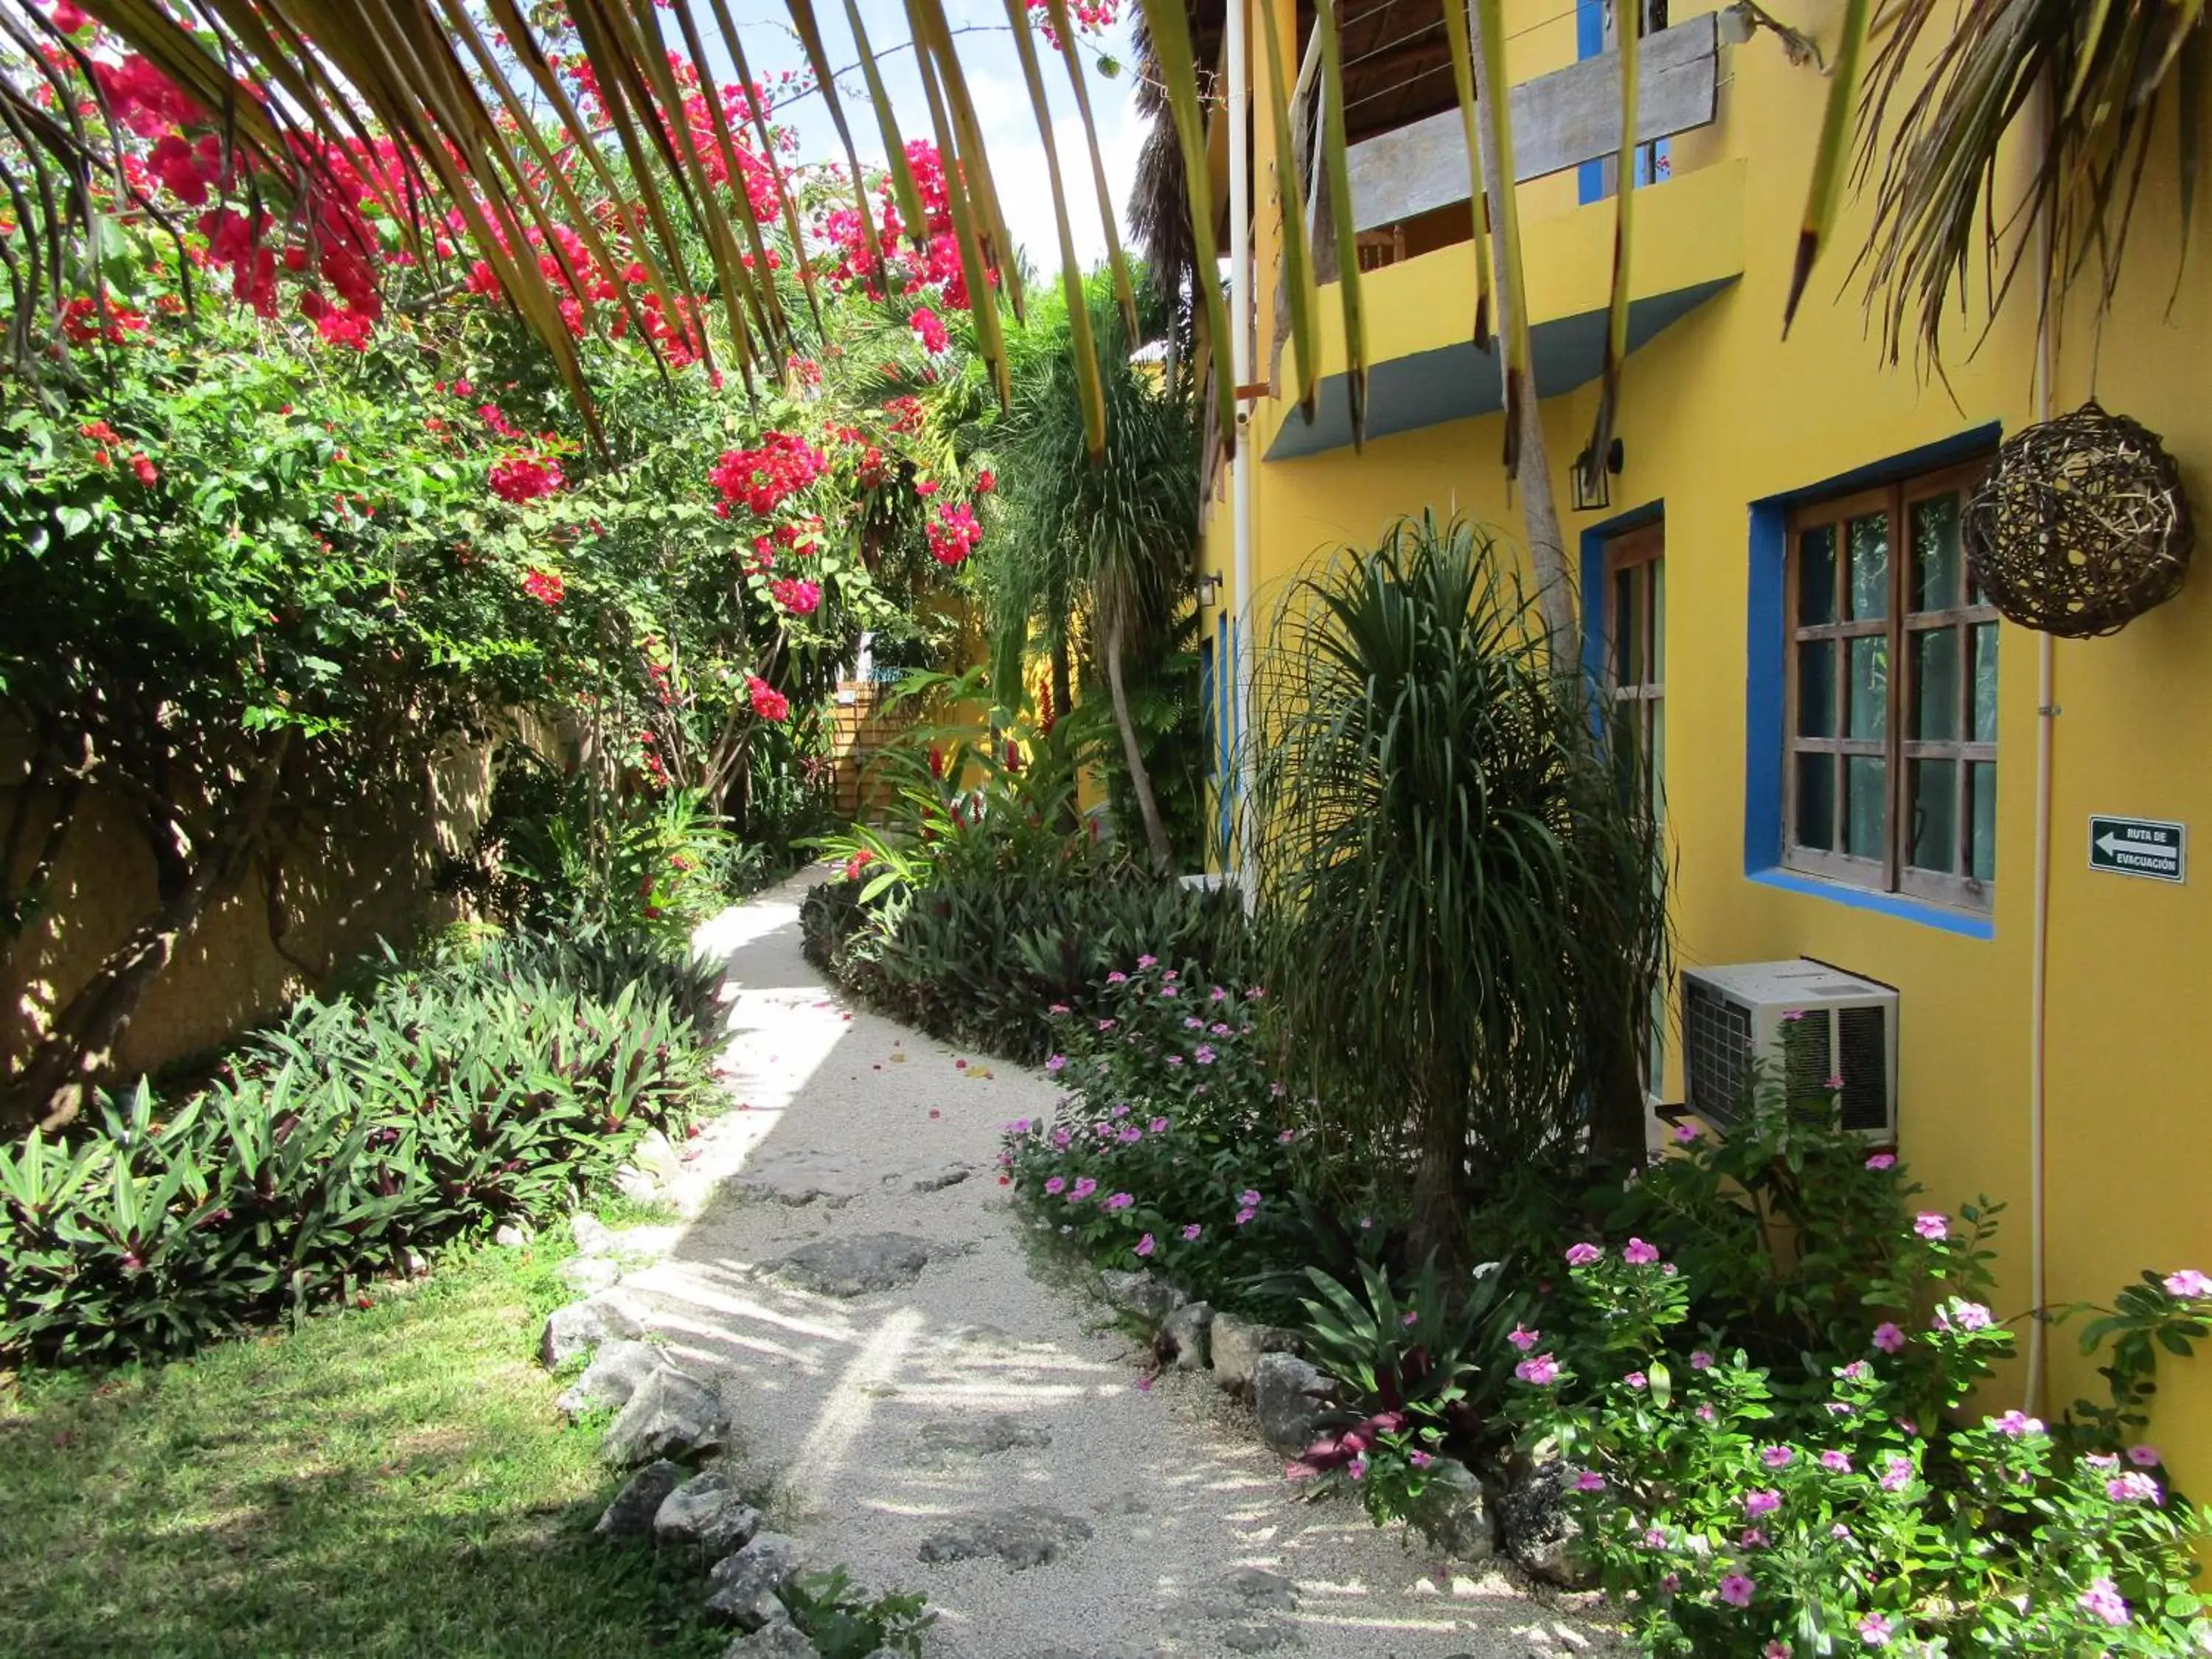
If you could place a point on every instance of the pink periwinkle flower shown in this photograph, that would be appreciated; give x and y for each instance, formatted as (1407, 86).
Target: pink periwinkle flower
(1419, 1460)
(1169, 993)
(2145, 1457)
(1117, 977)
(1835, 1462)
(1637, 1380)
(1764, 1501)
(1706, 1414)
(1932, 1224)
(1778, 1457)
(1147, 961)
(2101, 1460)
(2188, 1285)
(1203, 1054)
(1897, 1473)
(1245, 1215)
(1249, 1199)
(1056, 1186)
(2132, 1487)
(1159, 1126)
(1581, 1255)
(1120, 1201)
(1542, 1370)
(2103, 1600)
(1654, 1538)
(1775, 1649)
(1963, 1315)
(1590, 1480)
(1057, 1063)
(1192, 1022)
(1410, 1319)
(1060, 1138)
(1882, 1161)
(1686, 1133)
(1130, 1134)
(2016, 1425)
(1737, 1590)
(1217, 994)
(1889, 1337)
(1638, 1254)
(1874, 1630)
(1190, 1233)
(1175, 1059)
(1752, 1538)
(1671, 1583)
(1081, 1189)
(1144, 1245)
(1701, 1361)
(1524, 1338)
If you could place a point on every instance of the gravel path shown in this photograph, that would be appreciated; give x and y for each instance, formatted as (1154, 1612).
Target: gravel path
(932, 1435)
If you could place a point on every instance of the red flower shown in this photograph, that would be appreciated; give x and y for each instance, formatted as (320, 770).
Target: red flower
(927, 323)
(761, 478)
(953, 537)
(525, 477)
(543, 587)
(147, 473)
(768, 703)
(799, 598)
(927, 487)
(858, 862)
(985, 483)
(67, 17)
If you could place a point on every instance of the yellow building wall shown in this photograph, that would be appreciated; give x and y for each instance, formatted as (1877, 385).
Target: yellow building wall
(1719, 411)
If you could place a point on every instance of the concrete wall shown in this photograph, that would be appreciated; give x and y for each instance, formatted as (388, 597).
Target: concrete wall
(1718, 413)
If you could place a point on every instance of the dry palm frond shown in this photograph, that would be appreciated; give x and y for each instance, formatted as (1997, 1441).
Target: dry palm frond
(2109, 70)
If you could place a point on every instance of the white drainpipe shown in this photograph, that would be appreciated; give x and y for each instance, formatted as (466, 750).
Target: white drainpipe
(1240, 472)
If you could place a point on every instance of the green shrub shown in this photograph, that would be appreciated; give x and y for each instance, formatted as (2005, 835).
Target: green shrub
(435, 1105)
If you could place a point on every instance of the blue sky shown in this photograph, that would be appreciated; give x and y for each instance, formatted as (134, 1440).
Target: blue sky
(994, 77)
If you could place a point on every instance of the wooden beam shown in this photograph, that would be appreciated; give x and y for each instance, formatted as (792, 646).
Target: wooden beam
(1559, 120)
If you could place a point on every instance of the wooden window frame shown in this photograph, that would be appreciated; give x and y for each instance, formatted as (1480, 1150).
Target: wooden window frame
(1642, 702)
(1898, 627)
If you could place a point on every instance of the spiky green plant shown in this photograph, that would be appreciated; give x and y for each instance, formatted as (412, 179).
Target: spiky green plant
(1460, 891)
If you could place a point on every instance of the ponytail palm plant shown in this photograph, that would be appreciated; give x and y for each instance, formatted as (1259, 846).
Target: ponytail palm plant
(1462, 904)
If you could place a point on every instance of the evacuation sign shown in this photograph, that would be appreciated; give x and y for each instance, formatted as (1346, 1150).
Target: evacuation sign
(2139, 846)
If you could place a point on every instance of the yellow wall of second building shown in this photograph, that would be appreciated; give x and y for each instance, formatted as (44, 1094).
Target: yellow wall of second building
(1719, 412)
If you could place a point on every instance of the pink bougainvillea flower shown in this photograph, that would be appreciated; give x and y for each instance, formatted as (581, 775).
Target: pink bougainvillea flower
(798, 597)
(1737, 1590)
(767, 703)
(542, 587)
(1932, 1224)
(930, 329)
(1581, 1255)
(521, 479)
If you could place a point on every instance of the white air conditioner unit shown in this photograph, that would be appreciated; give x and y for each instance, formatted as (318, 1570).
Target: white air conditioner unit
(1800, 1024)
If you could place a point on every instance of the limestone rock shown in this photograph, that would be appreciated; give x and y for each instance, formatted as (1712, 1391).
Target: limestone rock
(587, 1275)
(573, 1331)
(1235, 1346)
(1254, 1590)
(1141, 1294)
(745, 1585)
(511, 1235)
(615, 1373)
(591, 1235)
(670, 1415)
(631, 1514)
(936, 1179)
(1183, 1335)
(806, 1176)
(856, 1266)
(1540, 1528)
(1290, 1398)
(1453, 1514)
(777, 1639)
(1026, 1535)
(980, 1436)
(708, 1511)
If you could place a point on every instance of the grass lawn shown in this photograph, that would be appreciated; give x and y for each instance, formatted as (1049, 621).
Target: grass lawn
(387, 1481)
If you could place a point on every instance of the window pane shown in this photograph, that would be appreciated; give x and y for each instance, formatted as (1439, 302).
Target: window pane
(1934, 811)
(1658, 580)
(1816, 802)
(1816, 689)
(1982, 843)
(1936, 560)
(1985, 639)
(1624, 628)
(1863, 806)
(1867, 688)
(1935, 685)
(1870, 551)
(1816, 577)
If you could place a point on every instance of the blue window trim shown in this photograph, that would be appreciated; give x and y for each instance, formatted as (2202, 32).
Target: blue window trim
(1765, 655)
(1595, 646)
(1589, 42)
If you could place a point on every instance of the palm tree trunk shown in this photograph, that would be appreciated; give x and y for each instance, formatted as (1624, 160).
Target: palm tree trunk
(1539, 508)
(1140, 781)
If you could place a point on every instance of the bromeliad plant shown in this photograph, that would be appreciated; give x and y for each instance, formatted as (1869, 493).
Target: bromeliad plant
(491, 1086)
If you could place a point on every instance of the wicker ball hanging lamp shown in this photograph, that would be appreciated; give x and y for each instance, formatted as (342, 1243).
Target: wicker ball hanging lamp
(2081, 525)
